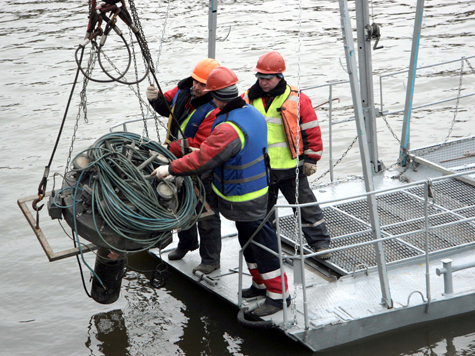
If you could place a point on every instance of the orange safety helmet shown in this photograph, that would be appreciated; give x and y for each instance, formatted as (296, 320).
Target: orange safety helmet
(219, 78)
(203, 68)
(270, 63)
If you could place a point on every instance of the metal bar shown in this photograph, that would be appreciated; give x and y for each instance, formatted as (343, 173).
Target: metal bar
(410, 82)
(212, 24)
(52, 256)
(282, 276)
(364, 151)
(427, 186)
(447, 272)
(376, 192)
(427, 66)
(430, 104)
(302, 266)
(456, 268)
(330, 136)
(445, 171)
(366, 80)
(124, 123)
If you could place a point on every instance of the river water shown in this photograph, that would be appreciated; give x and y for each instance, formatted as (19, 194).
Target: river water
(44, 309)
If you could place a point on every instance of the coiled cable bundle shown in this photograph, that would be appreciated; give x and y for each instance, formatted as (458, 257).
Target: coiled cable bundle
(112, 181)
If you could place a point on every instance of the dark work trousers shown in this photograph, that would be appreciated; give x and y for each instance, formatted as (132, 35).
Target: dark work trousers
(313, 223)
(209, 229)
(267, 264)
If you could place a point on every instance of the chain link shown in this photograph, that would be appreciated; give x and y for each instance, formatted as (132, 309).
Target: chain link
(163, 33)
(138, 86)
(149, 109)
(468, 63)
(293, 306)
(147, 59)
(399, 160)
(313, 183)
(435, 148)
(82, 106)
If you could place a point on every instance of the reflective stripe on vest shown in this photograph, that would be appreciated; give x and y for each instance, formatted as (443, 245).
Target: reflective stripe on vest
(193, 121)
(169, 137)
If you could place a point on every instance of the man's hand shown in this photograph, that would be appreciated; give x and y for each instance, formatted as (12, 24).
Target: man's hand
(309, 168)
(151, 93)
(161, 172)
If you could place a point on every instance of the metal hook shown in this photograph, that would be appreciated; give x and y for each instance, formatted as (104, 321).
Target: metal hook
(35, 202)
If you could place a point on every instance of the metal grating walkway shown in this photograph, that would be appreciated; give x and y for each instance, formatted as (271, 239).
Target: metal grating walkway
(400, 212)
(450, 157)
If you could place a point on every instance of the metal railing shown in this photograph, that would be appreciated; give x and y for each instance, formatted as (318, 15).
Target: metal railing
(381, 112)
(301, 257)
(127, 122)
(447, 271)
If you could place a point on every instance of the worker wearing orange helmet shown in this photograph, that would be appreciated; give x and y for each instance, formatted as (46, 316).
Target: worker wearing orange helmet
(290, 119)
(194, 111)
(235, 152)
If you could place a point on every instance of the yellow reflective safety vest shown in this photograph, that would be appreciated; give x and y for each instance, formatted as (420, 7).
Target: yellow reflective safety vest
(282, 127)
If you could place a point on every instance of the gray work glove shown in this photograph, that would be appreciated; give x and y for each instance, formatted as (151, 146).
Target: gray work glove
(152, 93)
(161, 172)
(309, 168)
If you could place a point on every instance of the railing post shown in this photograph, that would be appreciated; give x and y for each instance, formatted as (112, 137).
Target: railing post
(448, 282)
(330, 137)
(428, 187)
(282, 275)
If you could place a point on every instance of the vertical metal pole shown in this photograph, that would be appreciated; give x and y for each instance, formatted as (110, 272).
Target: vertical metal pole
(212, 24)
(302, 266)
(282, 276)
(426, 237)
(416, 37)
(448, 283)
(366, 80)
(363, 145)
(330, 137)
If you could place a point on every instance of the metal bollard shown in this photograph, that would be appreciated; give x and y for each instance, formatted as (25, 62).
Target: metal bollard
(446, 270)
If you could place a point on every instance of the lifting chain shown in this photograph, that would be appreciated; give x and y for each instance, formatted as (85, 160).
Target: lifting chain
(163, 33)
(433, 149)
(470, 65)
(82, 107)
(313, 183)
(138, 86)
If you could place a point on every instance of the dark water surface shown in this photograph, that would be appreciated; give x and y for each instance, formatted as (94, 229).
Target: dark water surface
(43, 307)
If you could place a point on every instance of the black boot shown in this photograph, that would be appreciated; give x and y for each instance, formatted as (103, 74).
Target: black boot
(325, 256)
(269, 308)
(179, 252)
(266, 309)
(253, 292)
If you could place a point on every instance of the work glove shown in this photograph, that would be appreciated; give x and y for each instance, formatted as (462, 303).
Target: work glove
(161, 172)
(309, 168)
(151, 93)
